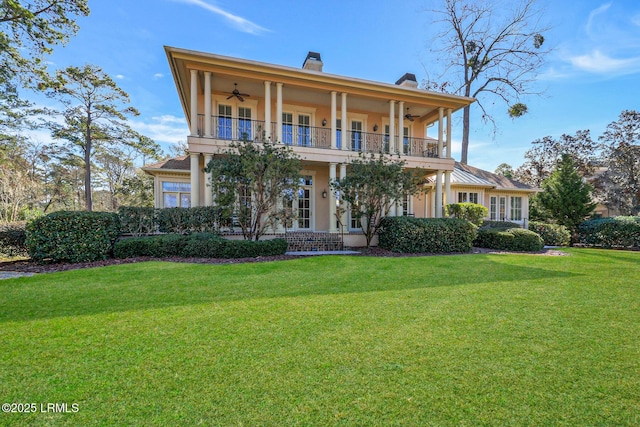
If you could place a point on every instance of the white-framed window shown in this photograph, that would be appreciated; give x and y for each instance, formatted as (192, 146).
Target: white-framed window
(356, 135)
(465, 197)
(176, 194)
(339, 133)
(356, 219)
(244, 123)
(225, 120)
(304, 130)
(493, 208)
(405, 141)
(287, 128)
(406, 205)
(516, 208)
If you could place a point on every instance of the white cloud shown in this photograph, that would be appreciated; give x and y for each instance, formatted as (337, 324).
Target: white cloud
(635, 20)
(595, 13)
(600, 63)
(165, 129)
(119, 76)
(158, 76)
(235, 21)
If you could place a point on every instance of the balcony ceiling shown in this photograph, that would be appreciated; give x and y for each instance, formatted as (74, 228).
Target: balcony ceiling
(304, 87)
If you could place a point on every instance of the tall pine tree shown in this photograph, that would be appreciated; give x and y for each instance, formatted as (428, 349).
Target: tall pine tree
(566, 198)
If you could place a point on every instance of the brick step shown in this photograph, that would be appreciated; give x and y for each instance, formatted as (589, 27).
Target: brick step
(307, 241)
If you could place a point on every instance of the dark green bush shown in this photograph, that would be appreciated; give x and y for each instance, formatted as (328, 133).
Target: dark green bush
(72, 236)
(618, 232)
(426, 235)
(199, 245)
(498, 224)
(552, 234)
(509, 239)
(137, 221)
(13, 238)
(472, 212)
(187, 220)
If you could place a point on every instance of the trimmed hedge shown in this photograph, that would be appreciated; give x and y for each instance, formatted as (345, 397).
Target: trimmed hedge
(426, 235)
(72, 236)
(198, 245)
(472, 212)
(13, 239)
(509, 239)
(552, 234)
(139, 221)
(498, 224)
(617, 232)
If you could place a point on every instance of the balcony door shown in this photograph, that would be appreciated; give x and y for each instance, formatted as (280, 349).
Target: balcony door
(225, 120)
(357, 143)
(304, 130)
(244, 123)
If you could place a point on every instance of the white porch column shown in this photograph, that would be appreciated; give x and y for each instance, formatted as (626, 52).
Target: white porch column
(440, 132)
(279, 112)
(438, 194)
(400, 147)
(194, 103)
(195, 179)
(208, 195)
(332, 200)
(432, 196)
(343, 124)
(207, 104)
(392, 126)
(334, 119)
(399, 208)
(448, 197)
(267, 109)
(449, 133)
(343, 204)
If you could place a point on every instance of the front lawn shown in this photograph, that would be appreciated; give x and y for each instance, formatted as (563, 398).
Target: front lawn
(449, 340)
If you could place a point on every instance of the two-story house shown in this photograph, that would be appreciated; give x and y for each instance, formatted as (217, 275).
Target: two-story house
(327, 119)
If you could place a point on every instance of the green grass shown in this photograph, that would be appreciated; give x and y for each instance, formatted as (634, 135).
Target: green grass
(453, 340)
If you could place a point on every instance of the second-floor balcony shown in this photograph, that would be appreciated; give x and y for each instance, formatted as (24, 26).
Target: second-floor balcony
(298, 135)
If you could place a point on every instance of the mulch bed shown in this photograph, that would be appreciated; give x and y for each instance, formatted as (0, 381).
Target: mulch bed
(28, 266)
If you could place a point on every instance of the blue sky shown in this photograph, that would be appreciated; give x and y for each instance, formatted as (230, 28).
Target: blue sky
(592, 74)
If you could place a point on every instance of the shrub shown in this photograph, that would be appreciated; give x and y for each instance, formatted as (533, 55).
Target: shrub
(621, 232)
(509, 239)
(187, 220)
(201, 245)
(472, 212)
(72, 236)
(13, 238)
(137, 221)
(426, 235)
(498, 224)
(552, 234)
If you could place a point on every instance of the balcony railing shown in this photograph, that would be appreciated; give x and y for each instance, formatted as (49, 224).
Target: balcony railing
(236, 129)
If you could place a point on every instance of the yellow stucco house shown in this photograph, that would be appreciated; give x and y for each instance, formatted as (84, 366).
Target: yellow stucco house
(327, 119)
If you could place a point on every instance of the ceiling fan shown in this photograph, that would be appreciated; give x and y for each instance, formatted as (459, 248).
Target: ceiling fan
(237, 93)
(410, 117)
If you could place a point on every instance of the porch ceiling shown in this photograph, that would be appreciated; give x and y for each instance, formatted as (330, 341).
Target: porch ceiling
(304, 86)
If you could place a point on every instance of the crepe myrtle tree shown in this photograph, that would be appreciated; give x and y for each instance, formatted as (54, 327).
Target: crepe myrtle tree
(250, 180)
(373, 184)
